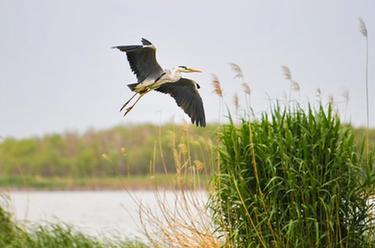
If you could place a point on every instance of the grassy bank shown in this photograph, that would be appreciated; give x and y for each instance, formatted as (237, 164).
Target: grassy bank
(106, 183)
(13, 235)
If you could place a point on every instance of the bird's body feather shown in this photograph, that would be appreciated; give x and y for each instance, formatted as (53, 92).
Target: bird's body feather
(168, 76)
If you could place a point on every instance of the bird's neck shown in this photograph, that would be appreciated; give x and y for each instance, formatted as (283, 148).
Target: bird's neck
(176, 71)
(175, 74)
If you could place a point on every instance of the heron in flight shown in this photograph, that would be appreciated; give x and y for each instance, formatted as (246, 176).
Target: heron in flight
(150, 76)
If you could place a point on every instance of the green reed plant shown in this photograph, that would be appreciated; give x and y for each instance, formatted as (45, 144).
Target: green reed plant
(294, 178)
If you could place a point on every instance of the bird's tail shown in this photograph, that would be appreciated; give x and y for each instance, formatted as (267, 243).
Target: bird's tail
(132, 86)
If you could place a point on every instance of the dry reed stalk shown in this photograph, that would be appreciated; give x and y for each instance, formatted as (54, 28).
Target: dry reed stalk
(218, 90)
(331, 100)
(247, 90)
(346, 97)
(318, 94)
(180, 218)
(236, 102)
(184, 224)
(363, 31)
(288, 76)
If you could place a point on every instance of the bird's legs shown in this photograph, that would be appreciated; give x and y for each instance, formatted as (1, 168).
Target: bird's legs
(131, 107)
(123, 106)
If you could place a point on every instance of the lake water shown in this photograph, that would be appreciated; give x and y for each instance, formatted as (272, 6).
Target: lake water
(99, 213)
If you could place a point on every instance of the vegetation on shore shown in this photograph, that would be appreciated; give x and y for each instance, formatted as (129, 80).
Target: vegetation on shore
(117, 158)
(13, 235)
(117, 152)
(146, 182)
(293, 178)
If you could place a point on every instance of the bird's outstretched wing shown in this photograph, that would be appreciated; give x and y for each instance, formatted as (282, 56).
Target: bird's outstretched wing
(187, 97)
(142, 60)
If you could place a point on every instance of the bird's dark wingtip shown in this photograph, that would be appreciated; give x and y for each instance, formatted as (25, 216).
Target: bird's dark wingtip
(146, 42)
(199, 123)
(128, 48)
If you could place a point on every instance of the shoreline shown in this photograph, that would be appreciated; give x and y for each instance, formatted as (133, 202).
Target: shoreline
(133, 183)
(5, 190)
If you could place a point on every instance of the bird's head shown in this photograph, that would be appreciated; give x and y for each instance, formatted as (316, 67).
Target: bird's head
(183, 68)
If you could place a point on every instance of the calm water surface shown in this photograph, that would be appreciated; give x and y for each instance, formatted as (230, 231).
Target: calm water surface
(102, 213)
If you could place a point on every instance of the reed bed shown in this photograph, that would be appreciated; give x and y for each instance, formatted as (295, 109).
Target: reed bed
(294, 178)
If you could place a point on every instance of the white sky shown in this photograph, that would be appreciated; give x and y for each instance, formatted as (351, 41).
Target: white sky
(58, 73)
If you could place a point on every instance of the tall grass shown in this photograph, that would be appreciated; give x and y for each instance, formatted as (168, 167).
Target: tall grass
(294, 178)
(14, 235)
(180, 218)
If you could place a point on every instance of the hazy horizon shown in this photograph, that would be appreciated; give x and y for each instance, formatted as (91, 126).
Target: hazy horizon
(58, 71)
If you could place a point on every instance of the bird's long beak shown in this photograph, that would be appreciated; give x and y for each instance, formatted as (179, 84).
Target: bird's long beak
(193, 70)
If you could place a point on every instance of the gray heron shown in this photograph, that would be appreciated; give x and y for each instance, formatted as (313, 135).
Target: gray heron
(150, 76)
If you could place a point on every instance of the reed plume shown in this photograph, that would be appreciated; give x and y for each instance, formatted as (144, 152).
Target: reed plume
(217, 86)
(246, 88)
(286, 72)
(362, 27)
(294, 86)
(237, 70)
(218, 90)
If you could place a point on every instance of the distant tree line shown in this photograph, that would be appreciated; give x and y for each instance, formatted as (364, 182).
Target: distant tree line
(119, 151)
